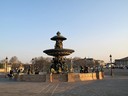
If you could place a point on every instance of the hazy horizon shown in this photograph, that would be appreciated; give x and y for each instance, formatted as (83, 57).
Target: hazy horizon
(93, 28)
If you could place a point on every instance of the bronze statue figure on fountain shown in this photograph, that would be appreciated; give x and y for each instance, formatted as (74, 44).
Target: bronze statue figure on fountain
(59, 44)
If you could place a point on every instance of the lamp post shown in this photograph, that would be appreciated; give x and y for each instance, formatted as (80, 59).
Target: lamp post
(33, 68)
(6, 64)
(111, 64)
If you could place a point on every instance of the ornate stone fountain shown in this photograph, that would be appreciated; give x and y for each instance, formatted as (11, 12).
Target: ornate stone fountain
(58, 62)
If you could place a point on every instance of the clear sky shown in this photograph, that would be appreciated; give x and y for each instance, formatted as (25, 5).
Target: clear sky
(94, 28)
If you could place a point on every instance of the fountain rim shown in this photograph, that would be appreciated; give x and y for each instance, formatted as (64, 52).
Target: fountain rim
(61, 50)
(58, 52)
(58, 38)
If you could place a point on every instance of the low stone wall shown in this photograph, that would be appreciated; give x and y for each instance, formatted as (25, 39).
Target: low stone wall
(30, 78)
(2, 76)
(69, 77)
(73, 77)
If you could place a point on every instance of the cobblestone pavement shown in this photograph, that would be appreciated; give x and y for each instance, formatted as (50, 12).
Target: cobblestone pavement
(109, 86)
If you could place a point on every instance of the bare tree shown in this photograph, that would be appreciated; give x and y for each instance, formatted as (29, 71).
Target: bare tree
(41, 64)
(15, 62)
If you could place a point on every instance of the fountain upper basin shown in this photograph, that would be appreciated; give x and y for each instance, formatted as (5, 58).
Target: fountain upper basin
(58, 52)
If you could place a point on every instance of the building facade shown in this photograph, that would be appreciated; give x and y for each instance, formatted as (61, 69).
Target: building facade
(121, 62)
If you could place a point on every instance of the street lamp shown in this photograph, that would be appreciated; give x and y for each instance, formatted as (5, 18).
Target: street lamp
(33, 68)
(111, 64)
(6, 64)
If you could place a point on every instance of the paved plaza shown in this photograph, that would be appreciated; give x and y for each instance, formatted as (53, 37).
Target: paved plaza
(109, 86)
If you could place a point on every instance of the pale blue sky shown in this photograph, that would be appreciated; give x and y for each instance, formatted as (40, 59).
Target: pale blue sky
(94, 28)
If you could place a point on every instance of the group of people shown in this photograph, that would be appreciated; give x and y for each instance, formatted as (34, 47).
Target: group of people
(14, 71)
(83, 69)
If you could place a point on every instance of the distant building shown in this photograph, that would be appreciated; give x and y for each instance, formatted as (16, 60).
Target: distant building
(121, 62)
(89, 62)
(9, 67)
